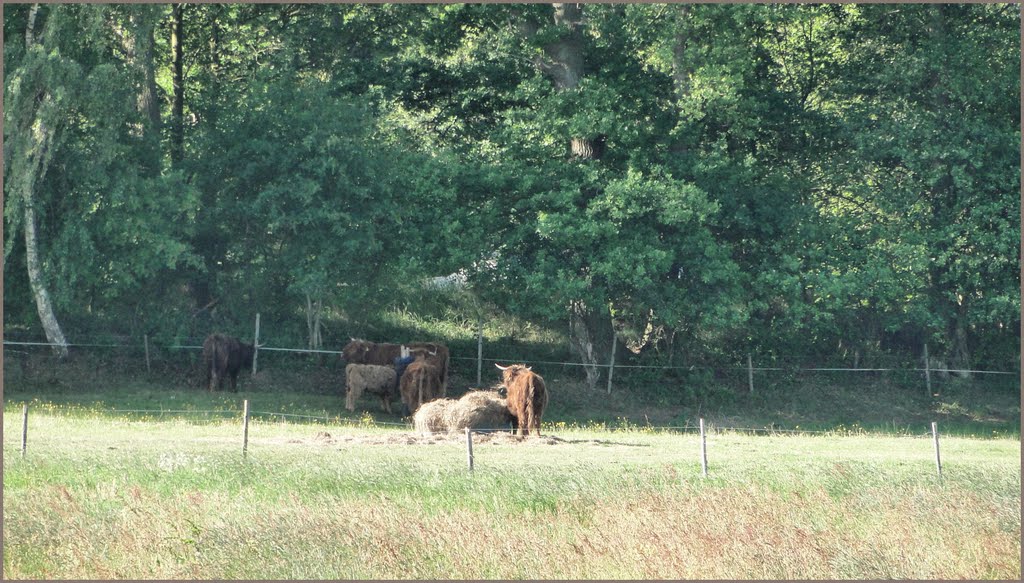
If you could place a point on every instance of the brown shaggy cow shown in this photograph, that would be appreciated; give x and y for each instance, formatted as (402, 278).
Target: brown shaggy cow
(527, 397)
(384, 354)
(225, 355)
(421, 382)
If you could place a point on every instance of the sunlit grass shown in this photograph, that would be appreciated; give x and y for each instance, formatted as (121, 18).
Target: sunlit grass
(112, 497)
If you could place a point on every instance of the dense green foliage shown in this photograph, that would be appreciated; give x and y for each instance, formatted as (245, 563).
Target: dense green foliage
(707, 180)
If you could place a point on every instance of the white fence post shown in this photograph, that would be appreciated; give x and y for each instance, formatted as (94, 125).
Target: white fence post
(927, 371)
(256, 344)
(469, 448)
(935, 438)
(479, 348)
(611, 365)
(750, 372)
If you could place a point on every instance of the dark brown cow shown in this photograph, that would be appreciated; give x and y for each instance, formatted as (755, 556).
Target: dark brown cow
(384, 354)
(420, 383)
(527, 397)
(225, 355)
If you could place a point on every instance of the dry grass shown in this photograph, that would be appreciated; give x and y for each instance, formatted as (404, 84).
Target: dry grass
(692, 533)
(119, 499)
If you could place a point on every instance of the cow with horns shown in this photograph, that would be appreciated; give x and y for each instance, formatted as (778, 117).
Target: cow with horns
(527, 397)
(385, 354)
(225, 355)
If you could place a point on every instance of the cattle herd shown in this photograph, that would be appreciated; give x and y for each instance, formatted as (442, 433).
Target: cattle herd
(416, 374)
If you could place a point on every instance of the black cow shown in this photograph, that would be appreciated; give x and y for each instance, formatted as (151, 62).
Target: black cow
(225, 355)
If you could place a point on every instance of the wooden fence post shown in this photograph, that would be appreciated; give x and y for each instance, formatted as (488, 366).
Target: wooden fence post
(703, 450)
(24, 429)
(611, 365)
(479, 348)
(927, 371)
(245, 428)
(145, 341)
(750, 372)
(935, 438)
(256, 344)
(469, 448)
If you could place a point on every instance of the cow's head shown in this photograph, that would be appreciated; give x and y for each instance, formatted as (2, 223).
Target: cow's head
(508, 373)
(356, 350)
(246, 352)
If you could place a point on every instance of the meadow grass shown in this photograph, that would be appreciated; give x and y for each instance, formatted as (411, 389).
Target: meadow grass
(115, 496)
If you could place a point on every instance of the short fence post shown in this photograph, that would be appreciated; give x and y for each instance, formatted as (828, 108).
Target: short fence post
(703, 450)
(750, 372)
(256, 344)
(24, 429)
(469, 448)
(935, 438)
(145, 342)
(479, 348)
(245, 428)
(927, 371)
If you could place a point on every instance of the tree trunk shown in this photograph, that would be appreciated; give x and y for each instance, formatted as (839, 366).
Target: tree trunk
(682, 69)
(28, 170)
(178, 84)
(959, 354)
(47, 317)
(314, 312)
(564, 63)
(581, 340)
(140, 57)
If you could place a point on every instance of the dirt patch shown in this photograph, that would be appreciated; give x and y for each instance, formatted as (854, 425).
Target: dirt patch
(454, 438)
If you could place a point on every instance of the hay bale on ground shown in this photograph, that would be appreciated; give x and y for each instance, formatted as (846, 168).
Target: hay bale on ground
(478, 410)
(430, 417)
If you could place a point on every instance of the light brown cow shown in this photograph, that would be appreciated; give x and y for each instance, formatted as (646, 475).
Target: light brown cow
(420, 383)
(527, 397)
(370, 378)
(384, 354)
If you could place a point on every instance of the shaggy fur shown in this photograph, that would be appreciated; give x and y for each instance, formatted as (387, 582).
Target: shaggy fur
(420, 383)
(527, 397)
(225, 356)
(366, 352)
(379, 380)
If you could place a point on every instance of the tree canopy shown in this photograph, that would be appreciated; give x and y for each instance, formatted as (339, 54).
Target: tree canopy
(701, 179)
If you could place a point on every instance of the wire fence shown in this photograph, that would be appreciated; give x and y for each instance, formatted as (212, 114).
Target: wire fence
(596, 427)
(750, 367)
(700, 429)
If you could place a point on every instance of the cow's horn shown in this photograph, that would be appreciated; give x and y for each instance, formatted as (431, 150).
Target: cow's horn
(529, 368)
(500, 367)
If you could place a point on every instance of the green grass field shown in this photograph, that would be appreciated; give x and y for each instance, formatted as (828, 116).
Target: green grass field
(123, 495)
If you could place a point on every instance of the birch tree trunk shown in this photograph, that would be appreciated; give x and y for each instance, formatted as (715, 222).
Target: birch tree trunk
(28, 168)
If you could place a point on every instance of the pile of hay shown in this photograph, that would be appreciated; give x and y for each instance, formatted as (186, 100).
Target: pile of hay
(476, 410)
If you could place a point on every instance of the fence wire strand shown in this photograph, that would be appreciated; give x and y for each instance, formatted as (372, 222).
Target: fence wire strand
(566, 363)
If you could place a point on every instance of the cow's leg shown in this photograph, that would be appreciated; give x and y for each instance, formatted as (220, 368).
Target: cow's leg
(234, 382)
(387, 403)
